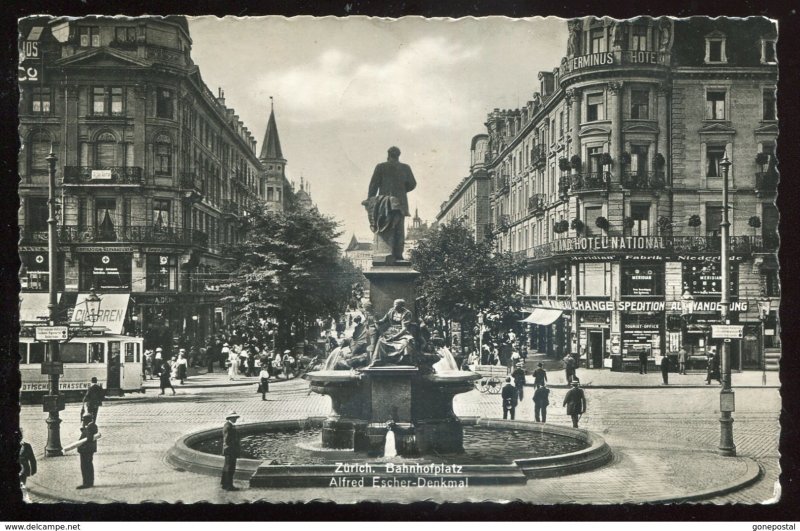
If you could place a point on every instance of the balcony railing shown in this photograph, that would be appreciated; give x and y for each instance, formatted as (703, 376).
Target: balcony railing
(502, 185)
(536, 204)
(539, 156)
(766, 182)
(29, 236)
(231, 208)
(191, 181)
(115, 175)
(132, 234)
(590, 182)
(643, 180)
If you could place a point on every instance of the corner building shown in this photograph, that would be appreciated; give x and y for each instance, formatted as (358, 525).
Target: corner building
(154, 171)
(608, 184)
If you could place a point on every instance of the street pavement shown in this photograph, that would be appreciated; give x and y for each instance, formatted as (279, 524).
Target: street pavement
(663, 438)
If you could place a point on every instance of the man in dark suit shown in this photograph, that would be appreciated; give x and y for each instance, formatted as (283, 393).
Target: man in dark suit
(643, 362)
(541, 399)
(87, 451)
(26, 460)
(391, 181)
(93, 399)
(509, 396)
(230, 450)
(575, 402)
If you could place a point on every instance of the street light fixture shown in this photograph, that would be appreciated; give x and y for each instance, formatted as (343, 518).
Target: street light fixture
(92, 303)
(763, 314)
(726, 395)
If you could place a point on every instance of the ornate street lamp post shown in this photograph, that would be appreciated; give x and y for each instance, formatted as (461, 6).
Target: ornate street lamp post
(726, 396)
(53, 402)
(763, 315)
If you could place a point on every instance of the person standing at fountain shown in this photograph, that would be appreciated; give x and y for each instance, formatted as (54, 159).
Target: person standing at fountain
(541, 399)
(539, 376)
(575, 402)
(230, 450)
(509, 396)
(263, 381)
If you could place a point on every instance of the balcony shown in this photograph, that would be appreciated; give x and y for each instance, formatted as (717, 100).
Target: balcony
(766, 183)
(502, 185)
(536, 204)
(652, 181)
(32, 237)
(71, 234)
(231, 208)
(104, 176)
(590, 182)
(503, 223)
(539, 157)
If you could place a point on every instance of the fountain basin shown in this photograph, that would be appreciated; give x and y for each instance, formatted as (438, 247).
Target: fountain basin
(311, 465)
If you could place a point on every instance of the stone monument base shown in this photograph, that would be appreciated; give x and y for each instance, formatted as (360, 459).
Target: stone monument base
(387, 283)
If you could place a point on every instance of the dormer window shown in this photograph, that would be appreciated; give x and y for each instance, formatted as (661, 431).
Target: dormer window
(715, 48)
(768, 55)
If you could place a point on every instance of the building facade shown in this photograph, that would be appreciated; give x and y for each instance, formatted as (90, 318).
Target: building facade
(469, 202)
(608, 184)
(359, 251)
(154, 172)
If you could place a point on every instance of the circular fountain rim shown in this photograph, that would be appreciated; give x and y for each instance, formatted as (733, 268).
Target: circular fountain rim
(182, 455)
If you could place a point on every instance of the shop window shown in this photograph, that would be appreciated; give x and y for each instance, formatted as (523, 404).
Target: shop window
(40, 101)
(165, 103)
(35, 274)
(768, 55)
(714, 156)
(36, 213)
(590, 215)
(594, 107)
(40, 145)
(89, 36)
(75, 352)
(640, 214)
(770, 111)
(640, 103)
(715, 105)
(161, 213)
(639, 38)
(593, 279)
(162, 272)
(643, 280)
(163, 155)
(715, 48)
(36, 352)
(597, 40)
(704, 278)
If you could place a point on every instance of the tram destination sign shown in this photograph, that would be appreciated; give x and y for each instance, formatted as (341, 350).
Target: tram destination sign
(52, 333)
(727, 331)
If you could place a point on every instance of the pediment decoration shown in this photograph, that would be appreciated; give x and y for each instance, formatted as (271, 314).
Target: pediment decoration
(767, 128)
(640, 127)
(717, 128)
(102, 57)
(595, 130)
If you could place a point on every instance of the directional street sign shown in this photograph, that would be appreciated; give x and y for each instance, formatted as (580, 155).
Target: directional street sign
(727, 331)
(52, 333)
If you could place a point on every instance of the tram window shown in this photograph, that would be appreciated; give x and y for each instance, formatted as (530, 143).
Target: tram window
(73, 352)
(97, 353)
(23, 353)
(36, 352)
(129, 353)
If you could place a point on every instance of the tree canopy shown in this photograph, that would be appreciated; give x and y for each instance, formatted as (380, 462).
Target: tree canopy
(460, 277)
(289, 269)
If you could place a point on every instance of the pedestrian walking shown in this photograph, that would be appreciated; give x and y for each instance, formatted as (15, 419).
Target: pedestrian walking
(518, 374)
(569, 367)
(712, 368)
(539, 376)
(575, 402)
(27, 461)
(233, 359)
(165, 381)
(230, 450)
(665, 365)
(93, 399)
(148, 364)
(251, 362)
(541, 399)
(263, 380)
(87, 451)
(159, 361)
(211, 357)
(643, 362)
(509, 396)
(682, 361)
(182, 364)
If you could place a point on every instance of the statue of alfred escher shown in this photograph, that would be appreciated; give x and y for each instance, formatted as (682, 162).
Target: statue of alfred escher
(387, 207)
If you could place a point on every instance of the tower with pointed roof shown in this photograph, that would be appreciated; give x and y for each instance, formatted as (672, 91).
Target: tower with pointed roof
(273, 163)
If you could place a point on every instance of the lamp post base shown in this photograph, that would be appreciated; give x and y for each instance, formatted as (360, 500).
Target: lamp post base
(53, 447)
(726, 448)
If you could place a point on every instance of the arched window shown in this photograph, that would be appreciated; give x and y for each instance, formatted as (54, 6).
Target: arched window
(105, 155)
(38, 152)
(162, 147)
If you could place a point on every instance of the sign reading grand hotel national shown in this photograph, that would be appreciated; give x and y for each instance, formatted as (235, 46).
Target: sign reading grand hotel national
(610, 243)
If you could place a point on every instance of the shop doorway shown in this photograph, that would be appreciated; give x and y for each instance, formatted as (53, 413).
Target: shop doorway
(596, 353)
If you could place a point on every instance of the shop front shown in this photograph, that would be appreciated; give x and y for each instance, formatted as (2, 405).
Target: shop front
(109, 271)
(594, 338)
(35, 271)
(642, 332)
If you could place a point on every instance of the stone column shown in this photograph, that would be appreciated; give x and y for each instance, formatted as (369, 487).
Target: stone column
(573, 98)
(70, 153)
(663, 122)
(615, 145)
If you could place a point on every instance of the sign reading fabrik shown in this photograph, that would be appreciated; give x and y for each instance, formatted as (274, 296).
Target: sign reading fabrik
(609, 243)
(600, 59)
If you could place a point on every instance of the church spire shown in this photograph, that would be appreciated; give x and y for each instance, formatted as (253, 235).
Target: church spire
(271, 146)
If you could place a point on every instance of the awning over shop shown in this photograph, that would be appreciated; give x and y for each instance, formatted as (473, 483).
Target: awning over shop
(113, 307)
(542, 316)
(33, 306)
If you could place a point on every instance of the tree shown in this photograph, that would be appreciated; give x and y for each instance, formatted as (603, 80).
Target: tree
(288, 269)
(460, 277)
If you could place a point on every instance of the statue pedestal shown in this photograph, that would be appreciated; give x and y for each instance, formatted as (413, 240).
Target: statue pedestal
(390, 282)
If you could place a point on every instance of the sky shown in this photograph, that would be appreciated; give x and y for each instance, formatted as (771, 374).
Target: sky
(346, 89)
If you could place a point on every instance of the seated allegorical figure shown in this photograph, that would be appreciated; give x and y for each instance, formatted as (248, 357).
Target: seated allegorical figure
(396, 344)
(345, 357)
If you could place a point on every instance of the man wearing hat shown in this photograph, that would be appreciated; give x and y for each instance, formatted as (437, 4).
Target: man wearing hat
(509, 396)
(541, 399)
(93, 399)
(87, 450)
(230, 450)
(575, 402)
(539, 376)
(518, 374)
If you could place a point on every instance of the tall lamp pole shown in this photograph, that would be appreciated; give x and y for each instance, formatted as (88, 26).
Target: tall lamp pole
(53, 402)
(726, 396)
